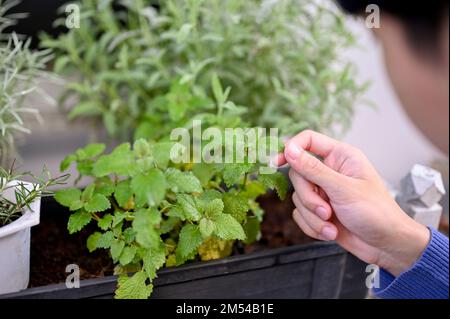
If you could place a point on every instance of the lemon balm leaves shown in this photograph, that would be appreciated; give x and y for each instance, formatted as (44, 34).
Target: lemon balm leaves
(149, 188)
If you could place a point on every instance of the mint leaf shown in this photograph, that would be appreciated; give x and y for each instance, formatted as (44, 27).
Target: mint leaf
(214, 207)
(236, 205)
(189, 207)
(123, 193)
(127, 256)
(232, 173)
(134, 287)
(105, 222)
(188, 243)
(275, 181)
(120, 162)
(69, 159)
(161, 153)
(92, 240)
(228, 228)
(204, 172)
(93, 150)
(149, 188)
(67, 196)
(77, 221)
(182, 182)
(207, 227)
(153, 260)
(105, 240)
(206, 197)
(98, 203)
(104, 186)
(144, 226)
(117, 247)
(87, 193)
(141, 148)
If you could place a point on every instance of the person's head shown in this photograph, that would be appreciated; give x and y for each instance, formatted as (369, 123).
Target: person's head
(415, 38)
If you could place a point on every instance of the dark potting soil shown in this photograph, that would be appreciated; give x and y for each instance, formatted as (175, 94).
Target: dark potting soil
(53, 248)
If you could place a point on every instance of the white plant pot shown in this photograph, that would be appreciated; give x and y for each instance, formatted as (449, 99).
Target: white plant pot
(15, 247)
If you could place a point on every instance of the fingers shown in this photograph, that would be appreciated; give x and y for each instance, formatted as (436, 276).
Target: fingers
(310, 196)
(313, 142)
(313, 226)
(310, 167)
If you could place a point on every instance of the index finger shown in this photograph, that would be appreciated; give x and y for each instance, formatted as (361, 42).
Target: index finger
(313, 142)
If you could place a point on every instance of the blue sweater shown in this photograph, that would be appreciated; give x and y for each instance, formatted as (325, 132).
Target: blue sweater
(426, 279)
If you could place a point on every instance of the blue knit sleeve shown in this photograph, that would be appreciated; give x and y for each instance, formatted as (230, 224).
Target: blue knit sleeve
(426, 279)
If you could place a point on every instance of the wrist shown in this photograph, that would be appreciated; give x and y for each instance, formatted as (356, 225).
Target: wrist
(408, 244)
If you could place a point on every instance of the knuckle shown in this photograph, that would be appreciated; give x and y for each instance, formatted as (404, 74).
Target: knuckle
(311, 164)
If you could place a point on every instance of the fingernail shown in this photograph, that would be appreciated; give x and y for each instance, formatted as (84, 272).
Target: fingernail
(322, 212)
(329, 233)
(293, 151)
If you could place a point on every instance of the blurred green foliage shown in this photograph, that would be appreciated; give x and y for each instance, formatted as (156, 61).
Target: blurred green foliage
(143, 67)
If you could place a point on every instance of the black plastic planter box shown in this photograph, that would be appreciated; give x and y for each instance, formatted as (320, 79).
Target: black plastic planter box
(310, 271)
(315, 270)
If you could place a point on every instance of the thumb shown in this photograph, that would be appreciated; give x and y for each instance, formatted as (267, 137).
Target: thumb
(311, 168)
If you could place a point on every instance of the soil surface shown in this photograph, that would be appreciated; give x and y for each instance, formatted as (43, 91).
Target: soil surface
(52, 248)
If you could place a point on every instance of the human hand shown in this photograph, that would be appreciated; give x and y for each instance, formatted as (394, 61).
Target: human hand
(343, 198)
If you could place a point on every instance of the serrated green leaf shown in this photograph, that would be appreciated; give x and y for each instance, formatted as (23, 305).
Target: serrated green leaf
(150, 188)
(182, 182)
(105, 222)
(161, 153)
(228, 228)
(153, 260)
(214, 207)
(204, 172)
(232, 173)
(87, 193)
(275, 181)
(207, 227)
(236, 205)
(144, 226)
(93, 150)
(189, 241)
(118, 218)
(120, 162)
(134, 287)
(141, 148)
(92, 240)
(189, 207)
(98, 203)
(76, 205)
(78, 220)
(104, 186)
(105, 240)
(123, 193)
(67, 196)
(69, 159)
(127, 255)
(117, 247)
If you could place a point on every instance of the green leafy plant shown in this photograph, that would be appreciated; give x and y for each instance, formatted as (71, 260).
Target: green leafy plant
(20, 69)
(153, 210)
(135, 58)
(24, 193)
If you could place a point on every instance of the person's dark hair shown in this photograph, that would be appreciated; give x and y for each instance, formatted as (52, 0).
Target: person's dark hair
(423, 20)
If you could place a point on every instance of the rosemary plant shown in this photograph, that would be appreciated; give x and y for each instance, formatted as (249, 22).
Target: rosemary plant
(20, 70)
(24, 193)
